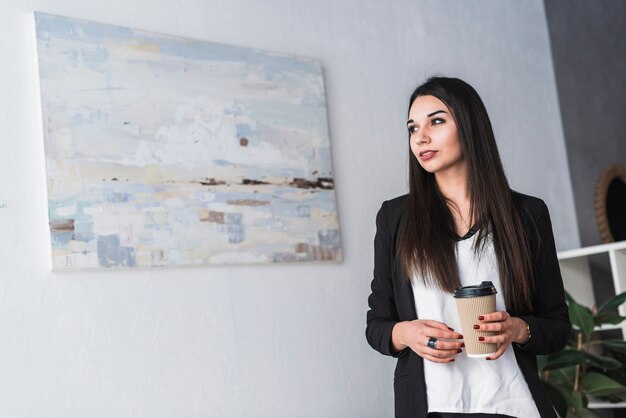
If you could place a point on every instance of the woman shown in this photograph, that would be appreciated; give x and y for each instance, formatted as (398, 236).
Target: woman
(461, 224)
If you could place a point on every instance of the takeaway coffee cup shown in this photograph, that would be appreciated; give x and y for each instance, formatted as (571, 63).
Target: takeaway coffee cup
(472, 301)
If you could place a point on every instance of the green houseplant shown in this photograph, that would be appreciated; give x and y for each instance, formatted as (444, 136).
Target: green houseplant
(588, 366)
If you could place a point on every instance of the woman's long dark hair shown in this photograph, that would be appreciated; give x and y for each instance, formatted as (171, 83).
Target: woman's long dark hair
(427, 243)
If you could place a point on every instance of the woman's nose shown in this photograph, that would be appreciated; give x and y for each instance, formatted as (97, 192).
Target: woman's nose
(423, 139)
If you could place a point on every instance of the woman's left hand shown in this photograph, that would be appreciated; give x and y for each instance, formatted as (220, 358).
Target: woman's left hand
(509, 328)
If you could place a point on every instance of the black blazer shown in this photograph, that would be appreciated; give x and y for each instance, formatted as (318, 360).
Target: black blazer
(392, 301)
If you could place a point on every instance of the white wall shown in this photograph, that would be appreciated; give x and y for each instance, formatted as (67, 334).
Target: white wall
(271, 341)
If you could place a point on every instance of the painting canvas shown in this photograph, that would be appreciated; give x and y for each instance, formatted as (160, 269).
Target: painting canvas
(166, 151)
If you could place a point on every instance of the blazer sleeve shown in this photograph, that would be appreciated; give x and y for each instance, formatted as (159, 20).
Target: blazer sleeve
(549, 323)
(382, 315)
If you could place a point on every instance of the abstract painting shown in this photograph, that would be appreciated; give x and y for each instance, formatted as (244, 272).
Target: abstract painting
(166, 151)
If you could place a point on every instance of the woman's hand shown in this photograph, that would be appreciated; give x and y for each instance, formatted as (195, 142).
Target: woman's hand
(416, 334)
(510, 330)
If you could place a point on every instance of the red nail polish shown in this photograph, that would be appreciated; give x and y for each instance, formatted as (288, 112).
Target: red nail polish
(476, 326)
(481, 338)
(489, 358)
(480, 318)
(461, 336)
(462, 344)
(450, 329)
(451, 360)
(459, 351)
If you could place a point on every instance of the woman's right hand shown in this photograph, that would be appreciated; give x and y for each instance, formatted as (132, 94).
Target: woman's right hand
(415, 335)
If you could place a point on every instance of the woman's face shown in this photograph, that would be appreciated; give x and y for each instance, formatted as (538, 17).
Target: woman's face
(434, 137)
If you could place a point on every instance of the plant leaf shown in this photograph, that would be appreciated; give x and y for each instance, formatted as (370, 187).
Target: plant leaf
(581, 317)
(577, 400)
(616, 345)
(604, 363)
(585, 413)
(613, 303)
(621, 397)
(615, 398)
(558, 398)
(563, 378)
(608, 318)
(597, 384)
(564, 358)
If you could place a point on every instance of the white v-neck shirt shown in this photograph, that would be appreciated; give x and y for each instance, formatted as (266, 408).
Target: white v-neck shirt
(472, 385)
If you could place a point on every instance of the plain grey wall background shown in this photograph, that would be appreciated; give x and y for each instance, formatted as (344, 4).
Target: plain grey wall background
(268, 341)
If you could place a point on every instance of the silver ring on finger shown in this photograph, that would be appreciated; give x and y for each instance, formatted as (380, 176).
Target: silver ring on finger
(432, 343)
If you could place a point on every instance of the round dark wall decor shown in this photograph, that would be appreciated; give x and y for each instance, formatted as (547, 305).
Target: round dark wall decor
(611, 203)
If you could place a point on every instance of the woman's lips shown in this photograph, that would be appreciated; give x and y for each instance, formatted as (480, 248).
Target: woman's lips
(427, 155)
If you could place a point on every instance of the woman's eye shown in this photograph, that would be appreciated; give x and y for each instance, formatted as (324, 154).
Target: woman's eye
(437, 121)
(413, 129)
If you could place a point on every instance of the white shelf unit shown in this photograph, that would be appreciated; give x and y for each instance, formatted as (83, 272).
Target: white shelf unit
(577, 277)
(578, 282)
(605, 405)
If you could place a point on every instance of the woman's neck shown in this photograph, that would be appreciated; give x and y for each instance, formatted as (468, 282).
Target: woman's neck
(453, 185)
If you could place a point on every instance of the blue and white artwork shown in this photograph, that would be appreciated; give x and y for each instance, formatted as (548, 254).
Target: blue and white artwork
(164, 151)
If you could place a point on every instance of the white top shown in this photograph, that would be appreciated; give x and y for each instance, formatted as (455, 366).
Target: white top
(472, 385)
